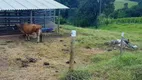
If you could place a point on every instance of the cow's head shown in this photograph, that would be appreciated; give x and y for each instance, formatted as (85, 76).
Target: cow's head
(20, 27)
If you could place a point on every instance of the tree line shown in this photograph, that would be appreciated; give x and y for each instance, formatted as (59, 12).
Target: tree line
(88, 12)
(135, 11)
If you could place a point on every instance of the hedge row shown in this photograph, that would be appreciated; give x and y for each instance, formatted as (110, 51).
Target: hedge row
(123, 20)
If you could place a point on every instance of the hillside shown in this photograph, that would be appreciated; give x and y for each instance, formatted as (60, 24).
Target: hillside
(120, 3)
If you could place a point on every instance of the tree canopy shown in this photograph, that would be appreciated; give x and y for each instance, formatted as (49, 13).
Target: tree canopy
(135, 11)
(85, 12)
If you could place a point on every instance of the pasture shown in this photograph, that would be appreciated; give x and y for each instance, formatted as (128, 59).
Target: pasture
(21, 60)
(119, 4)
(109, 65)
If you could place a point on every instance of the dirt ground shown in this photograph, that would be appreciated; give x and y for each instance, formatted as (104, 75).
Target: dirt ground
(28, 60)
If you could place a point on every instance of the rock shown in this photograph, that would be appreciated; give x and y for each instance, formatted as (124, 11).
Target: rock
(32, 60)
(18, 59)
(46, 64)
(109, 50)
(56, 71)
(65, 50)
(87, 47)
(24, 63)
(61, 40)
(69, 62)
(65, 45)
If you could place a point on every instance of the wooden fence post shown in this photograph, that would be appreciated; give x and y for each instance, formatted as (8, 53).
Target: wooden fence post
(122, 40)
(73, 35)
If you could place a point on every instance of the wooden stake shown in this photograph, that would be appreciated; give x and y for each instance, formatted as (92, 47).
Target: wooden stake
(71, 68)
(73, 35)
(122, 39)
(121, 48)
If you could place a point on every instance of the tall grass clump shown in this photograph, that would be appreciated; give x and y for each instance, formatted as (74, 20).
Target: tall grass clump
(77, 75)
(125, 67)
(127, 59)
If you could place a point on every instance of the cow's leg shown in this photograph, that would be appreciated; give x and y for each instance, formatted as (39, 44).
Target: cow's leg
(38, 35)
(26, 37)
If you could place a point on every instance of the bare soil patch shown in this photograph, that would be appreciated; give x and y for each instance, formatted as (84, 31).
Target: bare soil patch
(28, 60)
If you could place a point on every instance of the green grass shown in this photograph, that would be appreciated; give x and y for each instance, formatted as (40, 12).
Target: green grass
(128, 28)
(96, 38)
(109, 65)
(119, 4)
(132, 31)
(128, 66)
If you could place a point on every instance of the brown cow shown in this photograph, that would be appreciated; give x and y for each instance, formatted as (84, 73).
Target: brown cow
(28, 29)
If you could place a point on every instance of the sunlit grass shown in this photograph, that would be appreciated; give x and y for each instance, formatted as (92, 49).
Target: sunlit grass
(119, 4)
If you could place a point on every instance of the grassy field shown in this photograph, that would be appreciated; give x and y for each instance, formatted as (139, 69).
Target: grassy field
(120, 3)
(108, 65)
(93, 60)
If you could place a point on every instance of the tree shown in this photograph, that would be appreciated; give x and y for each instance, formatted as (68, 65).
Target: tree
(69, 3)
(108, 7)
(68, 14)
(88, 11)
(85, 12)
(135, 11)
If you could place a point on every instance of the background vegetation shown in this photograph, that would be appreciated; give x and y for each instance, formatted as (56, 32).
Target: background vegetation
(86, 13)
